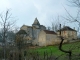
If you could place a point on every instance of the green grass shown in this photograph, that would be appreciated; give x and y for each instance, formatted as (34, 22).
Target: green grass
(75, 47)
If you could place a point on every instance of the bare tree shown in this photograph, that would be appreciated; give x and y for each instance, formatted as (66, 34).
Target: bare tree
(60, 46)
(76, 18)
(49, 28)
(6, 23)
(55, 25)
(70, 18)
(74, 3)
(21, 42)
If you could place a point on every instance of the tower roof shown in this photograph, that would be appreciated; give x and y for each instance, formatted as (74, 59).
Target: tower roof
(36, 22)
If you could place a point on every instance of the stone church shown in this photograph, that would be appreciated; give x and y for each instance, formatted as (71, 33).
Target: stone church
(33, 31)
(37, 34)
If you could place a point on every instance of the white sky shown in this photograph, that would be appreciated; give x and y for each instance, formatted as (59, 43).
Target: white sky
(47, 11)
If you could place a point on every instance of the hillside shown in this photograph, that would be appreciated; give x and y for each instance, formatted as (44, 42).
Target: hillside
(54, 50)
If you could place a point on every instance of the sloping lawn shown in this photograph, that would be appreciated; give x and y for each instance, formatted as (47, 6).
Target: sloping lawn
(54, 50)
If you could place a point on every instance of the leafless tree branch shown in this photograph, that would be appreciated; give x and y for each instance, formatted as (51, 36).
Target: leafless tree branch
(6, 25)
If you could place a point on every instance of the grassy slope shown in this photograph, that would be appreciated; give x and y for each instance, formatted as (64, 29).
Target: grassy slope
(75, 47)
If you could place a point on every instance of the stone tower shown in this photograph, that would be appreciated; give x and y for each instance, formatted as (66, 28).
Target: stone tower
(36, 30)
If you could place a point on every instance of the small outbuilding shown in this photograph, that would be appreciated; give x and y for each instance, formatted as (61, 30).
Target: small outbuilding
(68, 33)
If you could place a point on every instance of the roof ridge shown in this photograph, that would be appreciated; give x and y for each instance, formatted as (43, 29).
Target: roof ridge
(49, 32)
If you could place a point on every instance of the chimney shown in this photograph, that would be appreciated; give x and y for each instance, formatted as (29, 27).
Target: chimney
(60, 29)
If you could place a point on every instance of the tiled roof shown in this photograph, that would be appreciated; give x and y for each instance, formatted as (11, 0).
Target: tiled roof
(67, 28)
(21, 32)
(49, 32)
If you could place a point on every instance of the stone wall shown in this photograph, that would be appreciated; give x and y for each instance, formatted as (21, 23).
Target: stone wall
(42, 39)
(35, 34)
(52, 39)
(68, 34)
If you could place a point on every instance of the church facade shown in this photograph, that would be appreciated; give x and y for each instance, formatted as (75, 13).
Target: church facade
(33, 31)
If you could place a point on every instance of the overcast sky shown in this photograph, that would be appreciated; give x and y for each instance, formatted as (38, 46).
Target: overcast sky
(47, 11)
